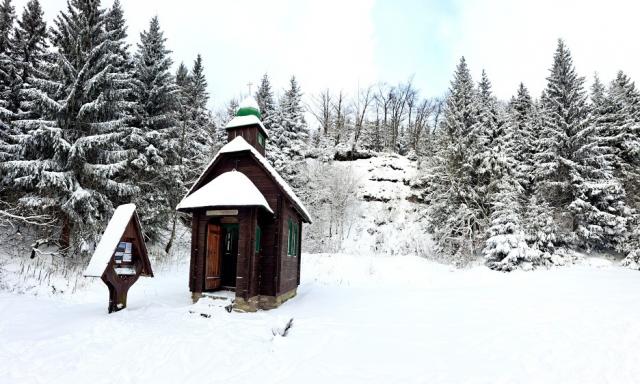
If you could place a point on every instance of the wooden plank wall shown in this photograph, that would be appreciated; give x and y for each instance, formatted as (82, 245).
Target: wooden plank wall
(288, 264)
(249, 133)
(268, 260)
(198, 250)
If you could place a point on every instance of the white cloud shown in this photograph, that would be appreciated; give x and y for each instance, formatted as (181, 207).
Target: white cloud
(515, 40)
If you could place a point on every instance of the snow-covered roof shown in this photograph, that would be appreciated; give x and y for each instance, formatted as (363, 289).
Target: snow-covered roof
(110, 239)
(239, 144)
(241, 121)
(229, 189)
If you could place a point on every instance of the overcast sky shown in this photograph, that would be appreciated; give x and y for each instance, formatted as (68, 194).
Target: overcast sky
(339, 44)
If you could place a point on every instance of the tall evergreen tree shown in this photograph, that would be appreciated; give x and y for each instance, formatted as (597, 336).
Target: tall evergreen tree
(7, 74)
(521, 123)
(116, 26)
(573, 172)
(182, 78)
(618, 119)
(7, 68)
(156, 137)
(620, 115)
(288, 135)
(266, 102)
(31, 58)
(198, 131)
(7, 17)
(293, 110)
(482, 143)
(506, 246)
(198, 95)
(72, 165)
(455, 215)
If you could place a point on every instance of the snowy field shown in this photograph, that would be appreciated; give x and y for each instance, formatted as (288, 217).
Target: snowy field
(356, 320)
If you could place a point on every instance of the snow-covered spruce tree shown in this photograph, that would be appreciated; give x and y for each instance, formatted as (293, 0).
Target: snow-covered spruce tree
(619, 118)
(506, 247)
(573, 173)
(231, 109)
(8, 72)
(277, 144)
(182, 78)
(456, 218)
(222, 117)
(483, 143)
(7, 17)
(225, 114)
(116, 26)
(28, 59)
(600, 205)
(156, 137)
(266, 102)
(197, 128)
(522, 126)
(7, 75)
(71, 165)
(32, 60)
(204, 128)
(541, 229)
(288, 133)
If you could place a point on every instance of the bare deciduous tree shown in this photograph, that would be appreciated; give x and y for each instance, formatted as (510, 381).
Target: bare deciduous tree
(363, 100)
(340, 118)
(321, 109)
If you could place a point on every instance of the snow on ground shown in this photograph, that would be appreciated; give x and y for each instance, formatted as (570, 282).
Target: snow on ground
(356, 319)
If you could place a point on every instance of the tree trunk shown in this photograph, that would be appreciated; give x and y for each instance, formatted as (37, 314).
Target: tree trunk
(65, 235)
(173, 233)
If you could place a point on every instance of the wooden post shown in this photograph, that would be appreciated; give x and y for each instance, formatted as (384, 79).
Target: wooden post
(118, 289)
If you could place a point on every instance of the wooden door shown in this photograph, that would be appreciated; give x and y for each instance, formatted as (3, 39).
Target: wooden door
(213, 266)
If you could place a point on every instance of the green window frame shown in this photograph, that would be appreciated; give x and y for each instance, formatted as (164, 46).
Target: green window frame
(261, 139)
(258, 238)
(292, 244)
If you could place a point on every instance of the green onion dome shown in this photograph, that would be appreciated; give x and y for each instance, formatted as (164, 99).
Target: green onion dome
(249, 106)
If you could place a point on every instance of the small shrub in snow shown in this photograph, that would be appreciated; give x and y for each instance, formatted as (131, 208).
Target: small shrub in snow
(632, 260)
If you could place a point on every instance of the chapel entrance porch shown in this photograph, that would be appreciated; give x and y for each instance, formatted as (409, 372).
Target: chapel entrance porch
(221, 261)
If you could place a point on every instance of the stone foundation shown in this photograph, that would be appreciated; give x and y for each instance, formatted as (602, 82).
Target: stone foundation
(195, 296)
(262, 302)
(254, 303)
